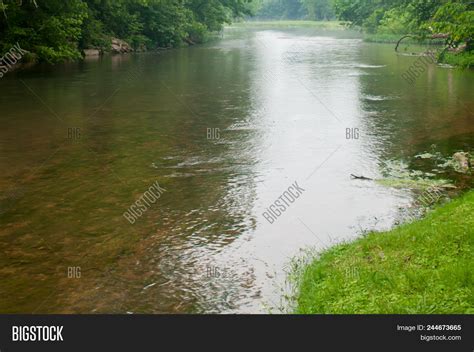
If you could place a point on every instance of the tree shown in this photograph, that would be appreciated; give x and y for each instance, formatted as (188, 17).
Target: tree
(281, 9)
(51, 30)
(456, 19)
(319, 9)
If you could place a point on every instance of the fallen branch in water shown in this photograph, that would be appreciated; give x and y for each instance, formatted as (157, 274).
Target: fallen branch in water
(355, 177)
(418, 37)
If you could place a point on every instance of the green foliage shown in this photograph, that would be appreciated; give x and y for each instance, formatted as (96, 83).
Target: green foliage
(58, 30)
(211, 13)
(423, 10)
(422, 17)
(422, 267)
(319, 9)
(52, 30)
(293, 9)
(198, 32)
(384, 19)
(139, 42)
(93, 33)
(358, 11)
(281, 9)
(457, 19)
(395, 21)
(462, 60)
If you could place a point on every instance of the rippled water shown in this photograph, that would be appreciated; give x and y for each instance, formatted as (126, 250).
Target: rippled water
(225, 128)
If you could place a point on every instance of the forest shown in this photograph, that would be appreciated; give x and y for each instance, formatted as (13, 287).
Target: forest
(422, 17)
(54, 30)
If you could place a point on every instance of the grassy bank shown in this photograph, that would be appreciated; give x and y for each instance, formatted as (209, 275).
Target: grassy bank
(422, 267)
(463, 60)
(387, 38)
(394, 38)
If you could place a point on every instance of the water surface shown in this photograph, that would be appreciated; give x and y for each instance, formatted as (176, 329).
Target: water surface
(80, 142)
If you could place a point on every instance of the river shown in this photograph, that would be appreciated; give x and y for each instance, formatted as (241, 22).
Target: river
(225, 128)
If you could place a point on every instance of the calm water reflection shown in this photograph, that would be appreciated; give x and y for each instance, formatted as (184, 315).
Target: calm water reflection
(281, 101)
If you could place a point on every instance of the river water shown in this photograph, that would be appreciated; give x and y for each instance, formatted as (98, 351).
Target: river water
(225, 128)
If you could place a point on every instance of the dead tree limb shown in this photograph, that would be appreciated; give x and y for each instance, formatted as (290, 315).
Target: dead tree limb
(355, 177)
(417, 37)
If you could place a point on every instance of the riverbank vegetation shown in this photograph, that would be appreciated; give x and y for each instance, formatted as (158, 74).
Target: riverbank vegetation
(286, 24)
(452, 21)
(421, 267)
(315, 10)
(446, 22)
(57, 30)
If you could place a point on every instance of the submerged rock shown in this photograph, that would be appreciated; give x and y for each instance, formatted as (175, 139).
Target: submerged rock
(424, 156)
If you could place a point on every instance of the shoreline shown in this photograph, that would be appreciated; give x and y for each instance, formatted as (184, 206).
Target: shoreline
(459, 60)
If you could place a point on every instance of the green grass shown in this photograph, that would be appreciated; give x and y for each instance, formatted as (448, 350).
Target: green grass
(394, 38)
(386, 38)
(462, 60)
(423, 267)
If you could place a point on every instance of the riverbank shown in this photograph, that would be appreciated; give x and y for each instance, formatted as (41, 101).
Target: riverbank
(422, 267)
(462, 60)
(394, 38)
(63, 32)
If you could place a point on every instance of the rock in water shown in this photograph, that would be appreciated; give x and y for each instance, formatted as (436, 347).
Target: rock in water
(91, 52)
(120, 46)
(461, 162)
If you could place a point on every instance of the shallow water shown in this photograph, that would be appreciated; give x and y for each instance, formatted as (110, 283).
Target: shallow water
(225, 128)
